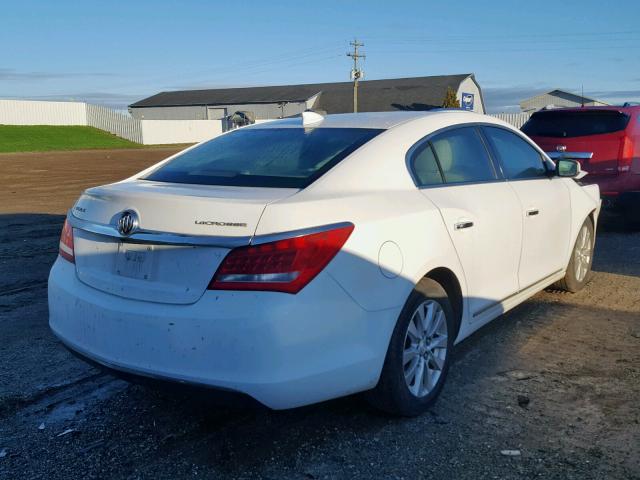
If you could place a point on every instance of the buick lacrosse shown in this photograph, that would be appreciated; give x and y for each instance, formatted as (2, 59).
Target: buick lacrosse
(309, 258)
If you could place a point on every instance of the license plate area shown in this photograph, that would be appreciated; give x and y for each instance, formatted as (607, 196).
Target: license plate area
(134, 260)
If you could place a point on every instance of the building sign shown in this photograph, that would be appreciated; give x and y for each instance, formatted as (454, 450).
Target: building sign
(467, 101)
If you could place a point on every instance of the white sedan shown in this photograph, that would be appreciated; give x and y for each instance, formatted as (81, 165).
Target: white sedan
(309, 258)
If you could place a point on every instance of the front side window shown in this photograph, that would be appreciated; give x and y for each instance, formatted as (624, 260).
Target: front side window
(264, 157)
(462, 156)
(519, 159)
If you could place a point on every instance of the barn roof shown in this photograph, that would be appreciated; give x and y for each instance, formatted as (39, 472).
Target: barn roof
(561, 93)
(415, 93)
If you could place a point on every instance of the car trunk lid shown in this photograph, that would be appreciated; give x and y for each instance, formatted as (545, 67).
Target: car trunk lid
(184, 232)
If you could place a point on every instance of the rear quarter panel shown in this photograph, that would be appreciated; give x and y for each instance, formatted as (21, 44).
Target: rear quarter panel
(408, 225)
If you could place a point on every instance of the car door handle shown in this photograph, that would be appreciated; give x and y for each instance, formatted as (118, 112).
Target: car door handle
(532, 211)
(465, 224)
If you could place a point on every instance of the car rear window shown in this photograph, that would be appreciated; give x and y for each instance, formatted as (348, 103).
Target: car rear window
(575, 123)
(264, 157)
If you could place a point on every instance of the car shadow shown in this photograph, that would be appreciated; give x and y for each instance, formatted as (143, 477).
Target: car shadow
(617, 247)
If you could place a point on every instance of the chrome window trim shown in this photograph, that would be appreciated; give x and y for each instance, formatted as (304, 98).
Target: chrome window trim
(167, 238)
(460, 184)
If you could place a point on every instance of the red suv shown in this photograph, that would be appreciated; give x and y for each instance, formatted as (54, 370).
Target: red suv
(605, 140)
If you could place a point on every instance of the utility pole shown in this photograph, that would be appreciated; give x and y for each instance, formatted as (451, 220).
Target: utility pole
(356, 73)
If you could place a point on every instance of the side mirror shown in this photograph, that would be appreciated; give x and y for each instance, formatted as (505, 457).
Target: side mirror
(568, 168)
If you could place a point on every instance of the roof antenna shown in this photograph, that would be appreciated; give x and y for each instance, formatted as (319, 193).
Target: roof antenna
(582, 87)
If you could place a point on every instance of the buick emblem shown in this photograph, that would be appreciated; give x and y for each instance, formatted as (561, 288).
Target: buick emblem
(127, 223)
(561, 148)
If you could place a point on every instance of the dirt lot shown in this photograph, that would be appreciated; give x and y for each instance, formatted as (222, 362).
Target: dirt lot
(575, 358)
(49, 182)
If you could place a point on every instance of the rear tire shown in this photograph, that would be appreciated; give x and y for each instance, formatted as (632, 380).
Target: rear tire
(579, 268)
(419, 353)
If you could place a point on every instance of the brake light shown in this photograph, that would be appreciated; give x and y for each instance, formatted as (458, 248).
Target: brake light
(65, 248)
(282, 266)
(626, 156)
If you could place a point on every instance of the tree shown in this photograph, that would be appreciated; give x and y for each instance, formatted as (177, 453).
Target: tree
(450, 99)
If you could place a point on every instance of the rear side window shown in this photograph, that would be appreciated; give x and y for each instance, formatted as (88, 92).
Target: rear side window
(519, 159)
(462, 156)
(425, 166)
(563, 124)
(267, 157)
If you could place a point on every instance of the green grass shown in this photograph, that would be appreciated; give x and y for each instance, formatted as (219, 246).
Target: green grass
(44, 138)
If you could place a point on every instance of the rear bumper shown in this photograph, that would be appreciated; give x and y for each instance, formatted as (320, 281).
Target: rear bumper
(282, 350)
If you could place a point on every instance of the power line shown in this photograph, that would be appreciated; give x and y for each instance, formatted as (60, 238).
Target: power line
(508, 36)
(500, 51)
(226, 70)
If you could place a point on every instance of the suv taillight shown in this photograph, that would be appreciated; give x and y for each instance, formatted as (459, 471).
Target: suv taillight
(65, 248)
(626, 156)
(282, 266)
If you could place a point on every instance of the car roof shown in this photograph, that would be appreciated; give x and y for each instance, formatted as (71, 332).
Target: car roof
(612, 108)
(379, 120)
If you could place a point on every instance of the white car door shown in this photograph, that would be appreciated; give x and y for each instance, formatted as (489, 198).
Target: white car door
(545, 205)
(481, 212)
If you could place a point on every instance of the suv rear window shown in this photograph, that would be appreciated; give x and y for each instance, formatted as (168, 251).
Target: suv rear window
(575, 123)
(264, 157)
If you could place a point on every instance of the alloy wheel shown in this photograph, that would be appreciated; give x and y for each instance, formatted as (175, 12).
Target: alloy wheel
(582, 253)
(425, 348)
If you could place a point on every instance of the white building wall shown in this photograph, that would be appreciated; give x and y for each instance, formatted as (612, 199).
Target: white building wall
(197, 112)
(262, 111)
(28, 112)
(557, 99)
(156, 132)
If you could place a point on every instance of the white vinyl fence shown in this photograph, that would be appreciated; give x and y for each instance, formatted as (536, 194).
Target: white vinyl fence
(148, 132)
(115, 122)
(515, 119)
(28, 112)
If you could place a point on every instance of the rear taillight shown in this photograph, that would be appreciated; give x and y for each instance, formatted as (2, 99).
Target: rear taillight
(626, 155)
(282, 266)
(66, 243)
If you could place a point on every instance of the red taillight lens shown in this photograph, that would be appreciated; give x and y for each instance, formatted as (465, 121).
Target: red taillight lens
(282, 266)
(626, 156)
(66, 243)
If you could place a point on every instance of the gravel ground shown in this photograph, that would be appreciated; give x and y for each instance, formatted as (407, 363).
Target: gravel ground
(557, 379)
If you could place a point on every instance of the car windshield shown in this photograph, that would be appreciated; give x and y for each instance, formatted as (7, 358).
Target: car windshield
(264, 157)
(575, 123)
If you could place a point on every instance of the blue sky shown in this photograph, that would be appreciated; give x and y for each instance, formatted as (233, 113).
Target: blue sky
(120, 51)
